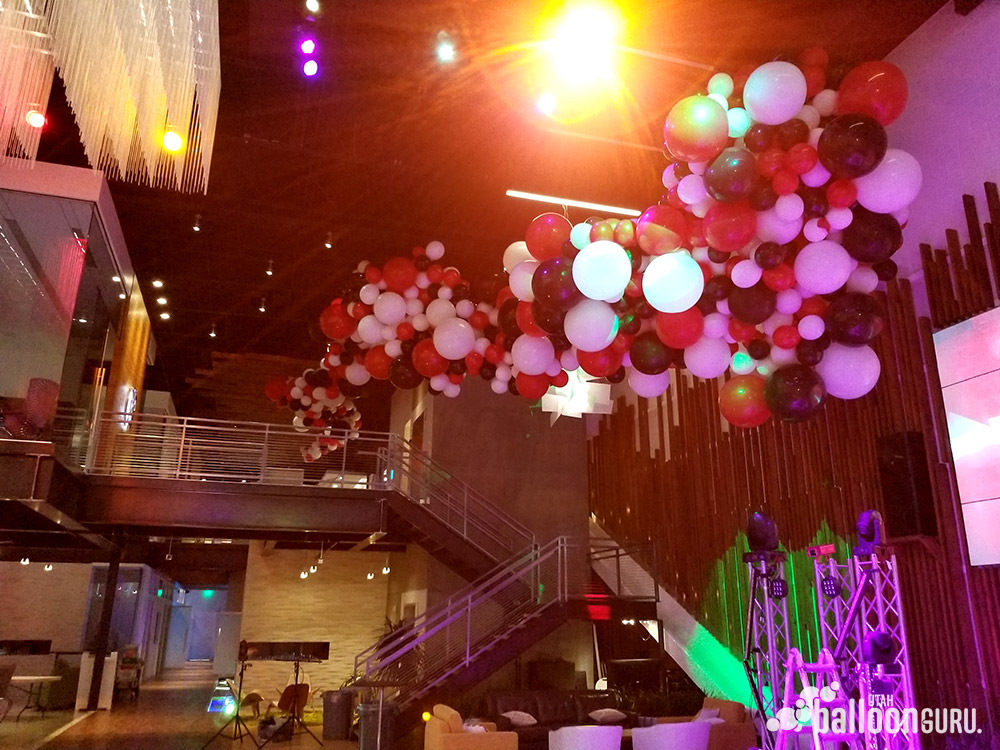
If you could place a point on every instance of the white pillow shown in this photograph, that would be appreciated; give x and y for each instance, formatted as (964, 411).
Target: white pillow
(607, 715)
(520, 718)
(474, 729)
(705, 714)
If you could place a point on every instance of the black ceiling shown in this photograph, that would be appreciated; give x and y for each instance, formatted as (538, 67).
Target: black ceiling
(386, 148)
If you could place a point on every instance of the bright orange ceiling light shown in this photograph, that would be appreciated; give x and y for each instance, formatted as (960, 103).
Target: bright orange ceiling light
(35, 118)
(583, 48)
(172, 141)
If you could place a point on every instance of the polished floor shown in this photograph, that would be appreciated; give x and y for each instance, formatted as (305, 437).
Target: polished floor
(168, 715)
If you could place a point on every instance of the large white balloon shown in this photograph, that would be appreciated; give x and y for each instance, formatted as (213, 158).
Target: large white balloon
(648, 386)
(370, 330)
(849, 371)
(520, 280)
(591, 325)
(439, 311)
(532, 354)
(673, 282)
(772, 228)
(774, 92)
(514, 254)
(892, 185)
(822, 267)
(356, 374)
(601, 270)
(390, 308)
(707, 358)
(454, 338)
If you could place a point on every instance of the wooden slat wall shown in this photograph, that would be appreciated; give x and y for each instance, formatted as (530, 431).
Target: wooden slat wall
(694, 493)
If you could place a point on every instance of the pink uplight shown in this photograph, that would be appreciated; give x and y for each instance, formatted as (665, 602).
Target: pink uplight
(310, 68)
(308, 47)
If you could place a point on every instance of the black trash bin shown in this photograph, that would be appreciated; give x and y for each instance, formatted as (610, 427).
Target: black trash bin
(337, 706)
(368, 734)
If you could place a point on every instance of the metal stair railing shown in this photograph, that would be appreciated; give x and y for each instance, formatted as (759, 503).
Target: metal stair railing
(416, 476)
(453, 635)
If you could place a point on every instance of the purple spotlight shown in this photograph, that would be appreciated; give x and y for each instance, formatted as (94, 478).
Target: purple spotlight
(310, 68)
(308, 47)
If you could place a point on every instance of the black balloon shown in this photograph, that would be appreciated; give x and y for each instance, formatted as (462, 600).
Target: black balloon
(852, 145)
(753, 305)
(795, 393)
(809, 352)
(855, 319)
(871, 237)
(552, 284)
(886, 270)
(650, 355)
(507, 319)
(758, 349)
(717, 287)
(758, 137)
(403, 375)
(629, 324)
(762, 196)
(814, 201)
(732, 175)
(791, 132)
(487, 288)
(617, 376)
(547, 318)
(717, 256)
(769, 255)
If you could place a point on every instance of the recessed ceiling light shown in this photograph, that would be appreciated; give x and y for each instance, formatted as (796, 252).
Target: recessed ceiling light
(121, 295)
(312, 6)
(117, 279)
(157, 284)
(165, 315)
(161, 300)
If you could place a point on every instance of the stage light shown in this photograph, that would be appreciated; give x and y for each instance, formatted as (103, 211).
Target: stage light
(165, 316)
(212, 333)
(270, 268)
(426, 716)
(308, 46)
(157, 284)
(161, 300)
(196, 227)
(35, 118)
(310, 68)
(831, 587)
(312, 6)
(172, 141)
(570, 202)
(779, 588)
(547, 104)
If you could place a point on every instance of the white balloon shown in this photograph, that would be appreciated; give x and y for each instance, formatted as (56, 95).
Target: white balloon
(745, 274)
(849, 371)
(602, 270)
(720, 100)
(789, 207)
(394, 348)
(591, 325)
(839, 218)
(515, 253)
(420, 322)
(739, 122)
(774, 322)
(520, 280)
(707, 358)
(716, 325)
(648, 386)
(862, 279)
(439, 382)
(422, 281)
(388, 332)
(811, 327)
(434, 250)
(700, 254)
(370, 330)
(579, 235)
(411, 292)
(369, 293)
(390, 308)
(825, 102)
(532, 354)
(698, 167)
(782, 357)
(774, 92)
(504, 373)
(498, 386)
(816, 176)
(691, 189)
(721, 84)
(673, 282)
(452, 390)
(822, 267)
(414, 307)
(809, 115)
(722, 307)
(464, 308)
(554, 368)
(892, 185)
(438, 311)
(455, 337)
(814, 231)
(569, 361)
(772, 228)
(445, 292)
(741, 364)
(357, 374)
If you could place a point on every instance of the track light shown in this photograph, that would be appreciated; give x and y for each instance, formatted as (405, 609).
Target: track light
(161, 300)
(270, 268)
(312, 6)
(117, 279)
(196, 227)
(385, 570)
(263, 305)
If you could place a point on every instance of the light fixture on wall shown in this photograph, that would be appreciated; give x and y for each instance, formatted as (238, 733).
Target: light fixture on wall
(304, 574)
(212, 333)
(263, 305)
(313, 568)
(196, 227)
(270, 268)
(170, 546)
(48, 567)
(329, 241)
(25, 561)
(386, 568)
(371, 575)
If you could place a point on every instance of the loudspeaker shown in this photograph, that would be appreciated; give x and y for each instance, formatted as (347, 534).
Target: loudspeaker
(906, 485)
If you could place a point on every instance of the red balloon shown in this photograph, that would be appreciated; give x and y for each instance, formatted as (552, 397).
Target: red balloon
(275, 389)
(815, 80)
(399, 274)
(532, 387)
(427, 361)
(473, 362)
(817, 56)
(546, 235)
(335, 322)
(452, 277)
(600, 364)
(405, 331)
(479, 320)
(812, 306)
(377, 362)
(435, 274)
(625, 233)
(841, 193)
(741, 401)
(560, 380)
(780, 278)
(742, 331)
(729, 226)
(786, 337)
(661, 229)
(680, 330)
(877, 89)
(526, 320)
(372, 274)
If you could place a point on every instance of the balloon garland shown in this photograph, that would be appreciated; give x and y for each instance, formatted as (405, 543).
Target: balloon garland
(784, 205)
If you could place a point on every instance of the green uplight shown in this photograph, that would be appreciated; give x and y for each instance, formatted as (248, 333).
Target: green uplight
(208, 593)
(159, 592)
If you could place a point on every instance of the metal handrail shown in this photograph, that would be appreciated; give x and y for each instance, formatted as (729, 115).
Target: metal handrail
(451, 636)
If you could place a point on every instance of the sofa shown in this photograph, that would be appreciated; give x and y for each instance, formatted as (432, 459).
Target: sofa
(445, 730)
(551, 709)
(735, 731)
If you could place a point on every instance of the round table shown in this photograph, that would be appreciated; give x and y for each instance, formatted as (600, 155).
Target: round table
(31, 680)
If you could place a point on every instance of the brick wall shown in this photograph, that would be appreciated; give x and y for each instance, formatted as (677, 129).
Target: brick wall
(336, 604)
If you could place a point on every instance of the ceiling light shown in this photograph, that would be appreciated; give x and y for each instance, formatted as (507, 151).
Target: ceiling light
(48, 567)
(161, 300)
(212, 333)
(35, 118)
(121, 295)
(547, 104)
(263, 305)
(312, 6)
(196, 227)
(308, 47)
(270, 268)
(25, 561)
(370, 574)
(83, 320)
(313, 568)
(304, 574)
(577, 204)
(172, 141)
(165, 316)
(385, 570)
(117, 279)
(157, 284)
(310, 68)
(445, 47)
(329, 240)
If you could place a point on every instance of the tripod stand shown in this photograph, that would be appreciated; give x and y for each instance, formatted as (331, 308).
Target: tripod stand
(241, 728)
(296, 708)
